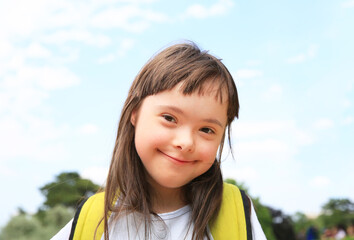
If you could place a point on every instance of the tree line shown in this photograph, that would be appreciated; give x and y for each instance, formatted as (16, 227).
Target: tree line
(63, 195)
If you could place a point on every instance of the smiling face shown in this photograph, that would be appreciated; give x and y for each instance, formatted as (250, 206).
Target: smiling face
(177, 136)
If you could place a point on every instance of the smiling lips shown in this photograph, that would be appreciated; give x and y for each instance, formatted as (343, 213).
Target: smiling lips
(175, 160)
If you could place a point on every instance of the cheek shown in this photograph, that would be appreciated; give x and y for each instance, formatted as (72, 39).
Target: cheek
(208, 153)
(147, 139)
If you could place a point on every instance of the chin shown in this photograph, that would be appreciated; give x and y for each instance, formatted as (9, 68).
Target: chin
(173, 184)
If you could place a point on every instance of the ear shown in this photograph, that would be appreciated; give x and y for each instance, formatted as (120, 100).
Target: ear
(133, 118)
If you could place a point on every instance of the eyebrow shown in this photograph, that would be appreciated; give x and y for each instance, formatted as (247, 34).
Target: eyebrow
(180, 111)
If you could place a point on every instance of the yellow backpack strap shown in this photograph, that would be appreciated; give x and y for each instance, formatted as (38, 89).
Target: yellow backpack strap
(231, 220)
(87, 218)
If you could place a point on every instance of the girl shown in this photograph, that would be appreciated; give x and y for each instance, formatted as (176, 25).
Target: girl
(164, 180)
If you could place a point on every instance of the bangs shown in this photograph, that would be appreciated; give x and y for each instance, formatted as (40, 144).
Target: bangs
(196, 71)
(211, 86)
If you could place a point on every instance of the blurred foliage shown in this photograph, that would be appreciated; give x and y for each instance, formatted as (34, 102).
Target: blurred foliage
(282, 225)
(62, 197)
(278, 226)
(265, 218)
(30, 227)
(337, 212)
(68, 189)
(301, 222)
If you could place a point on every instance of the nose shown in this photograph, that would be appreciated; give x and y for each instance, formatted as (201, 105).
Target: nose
(184, 140)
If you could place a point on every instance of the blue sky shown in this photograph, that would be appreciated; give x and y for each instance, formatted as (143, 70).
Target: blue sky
(66, 66)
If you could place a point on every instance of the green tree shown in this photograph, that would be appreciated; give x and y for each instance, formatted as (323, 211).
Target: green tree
(62, 196)
(337, 211)
(67, 189)
(22, 227)
(30, 227)
(265, 218)
(58, 216)
(302, 222)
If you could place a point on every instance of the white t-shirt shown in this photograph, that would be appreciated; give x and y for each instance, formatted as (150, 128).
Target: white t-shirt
(175, 226)
(340, 234)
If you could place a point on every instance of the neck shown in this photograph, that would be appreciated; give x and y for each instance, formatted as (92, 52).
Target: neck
(167, 199)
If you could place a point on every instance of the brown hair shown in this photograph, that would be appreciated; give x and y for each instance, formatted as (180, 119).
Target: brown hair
(187, 64)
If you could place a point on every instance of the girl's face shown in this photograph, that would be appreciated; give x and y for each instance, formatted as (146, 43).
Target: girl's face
(177, 136)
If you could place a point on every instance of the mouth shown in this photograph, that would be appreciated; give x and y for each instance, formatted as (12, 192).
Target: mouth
(175, 160)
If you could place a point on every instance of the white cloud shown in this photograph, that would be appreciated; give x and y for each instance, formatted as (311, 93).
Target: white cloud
(303, 138)
(46, 78)
(270, 148)
(96, 174)
(22, 100)
(248, 73)
(64, 36)
(320, 182)
(6, 171)
(312, 51)
(58, 22)
(106, 59)
(36, 50)
(301, 57)
(30, 137)
(272, 140)
(243, 174)
(246, 130)
(253, 63)
(6, 51)
(323, 123)
(130, 18)
(348, 120)
(298, 58)
(23, 89)
(347, 4)
(88, 129)
(346, 103)
(274, 92)
(199, 11)
(50, 78)
(12, 62)
(24, 18)
(125, 46)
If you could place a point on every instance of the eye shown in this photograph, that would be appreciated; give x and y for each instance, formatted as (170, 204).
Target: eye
(169, 118)
(207, 130)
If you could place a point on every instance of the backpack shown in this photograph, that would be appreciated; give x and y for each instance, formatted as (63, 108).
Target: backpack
(232, 222)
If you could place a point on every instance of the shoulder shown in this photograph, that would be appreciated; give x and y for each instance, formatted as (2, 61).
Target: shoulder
(93, 206)
(230, 191)
(96, 197)
(89, 217)
(233, 195)
(230, 187)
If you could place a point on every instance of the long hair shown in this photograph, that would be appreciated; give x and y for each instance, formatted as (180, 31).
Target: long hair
(182, 63)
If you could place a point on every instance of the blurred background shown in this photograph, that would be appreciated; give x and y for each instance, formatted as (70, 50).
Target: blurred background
(66, 67)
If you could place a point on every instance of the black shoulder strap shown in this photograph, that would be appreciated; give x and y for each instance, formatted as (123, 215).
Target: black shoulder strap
(76, 217)
(247, 208)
